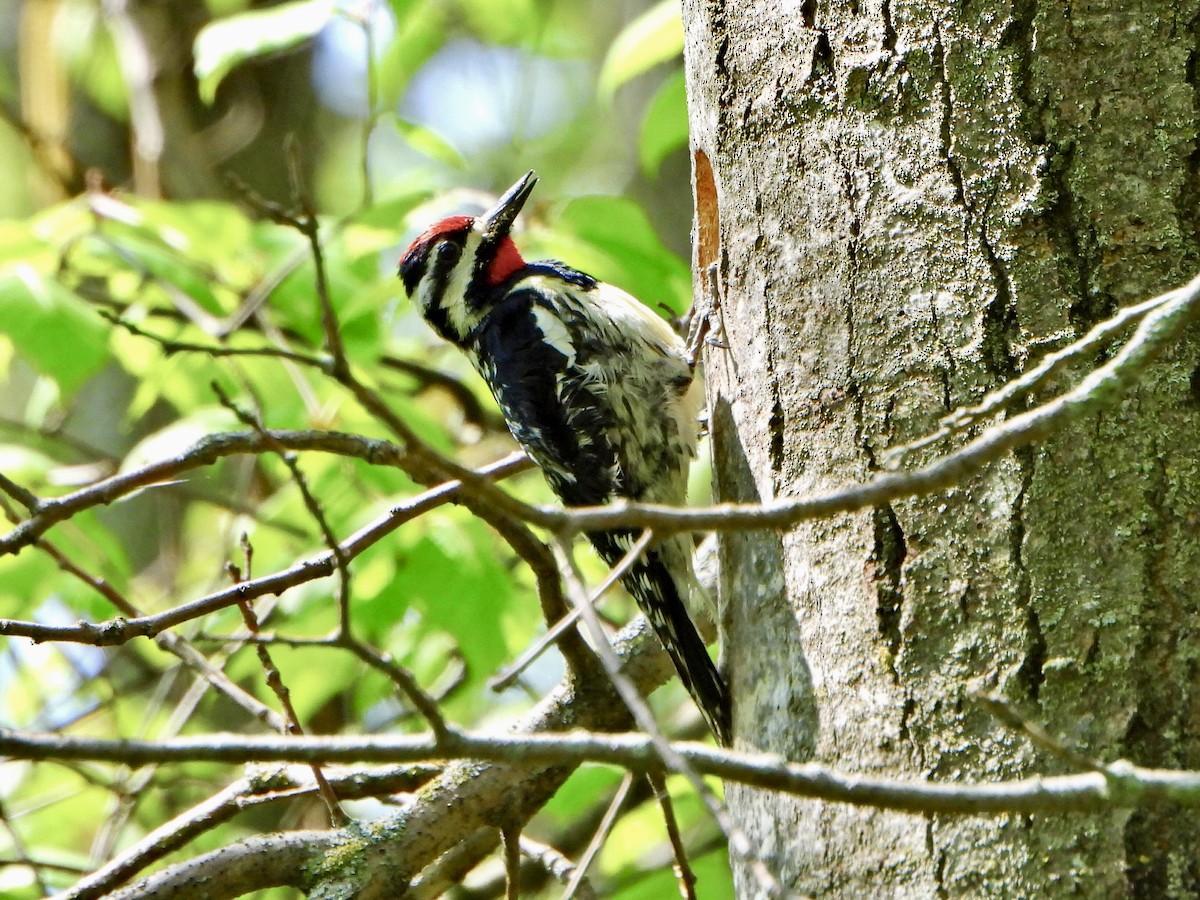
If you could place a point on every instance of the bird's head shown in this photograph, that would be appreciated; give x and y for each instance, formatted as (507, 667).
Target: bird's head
(454, 266)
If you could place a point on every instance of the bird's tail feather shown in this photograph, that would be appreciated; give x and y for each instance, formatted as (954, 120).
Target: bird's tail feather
(660, 594)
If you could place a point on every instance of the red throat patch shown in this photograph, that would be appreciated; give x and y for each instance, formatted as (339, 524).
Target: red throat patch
(506, 262)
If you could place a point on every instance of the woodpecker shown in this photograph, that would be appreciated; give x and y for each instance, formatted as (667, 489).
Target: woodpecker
(594, 386)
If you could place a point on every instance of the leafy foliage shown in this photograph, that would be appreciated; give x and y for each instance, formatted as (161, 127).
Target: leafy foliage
(121, 315)
(225, 43)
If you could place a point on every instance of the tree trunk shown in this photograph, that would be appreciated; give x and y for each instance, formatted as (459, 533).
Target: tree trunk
(915, 204)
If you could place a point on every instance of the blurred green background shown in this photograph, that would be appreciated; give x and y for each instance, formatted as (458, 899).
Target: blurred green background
(132, 135)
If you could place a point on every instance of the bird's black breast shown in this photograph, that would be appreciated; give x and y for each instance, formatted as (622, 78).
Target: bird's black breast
(554, 413)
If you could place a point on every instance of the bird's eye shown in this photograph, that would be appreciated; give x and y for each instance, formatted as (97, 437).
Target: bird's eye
(448, 253)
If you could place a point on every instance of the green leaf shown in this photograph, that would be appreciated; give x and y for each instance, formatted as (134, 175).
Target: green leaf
(420, 31)
(652, 38)
(209, 231)
(448, 571)
(178, 437)
(165, 267)
(390, 213)
(510, 22)
(88, 49)
(51, 328)
(611, 238)
(19, 243)
(665, 125)
(222, 45)
(24, 464)
(430, 143)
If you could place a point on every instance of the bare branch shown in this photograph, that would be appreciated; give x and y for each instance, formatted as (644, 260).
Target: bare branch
(420, 699)
(995, 401)
(271, 785)
(25, 497)
(1008, 716)
(254, 864)
(117, 631)
(687, 878)
(558, 865)
(511, 839)
(579, 878)
(505, 679)
(204, 452)
(171, 346)
(674, 762)
(1121, 785)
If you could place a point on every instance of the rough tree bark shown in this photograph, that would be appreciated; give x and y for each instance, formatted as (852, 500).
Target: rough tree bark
(916, 201)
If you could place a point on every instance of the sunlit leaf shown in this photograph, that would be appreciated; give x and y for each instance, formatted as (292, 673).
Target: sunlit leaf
(652, 38)
(51, 328)
(179, 436)
(429, 143)
(175, 274)
(19, 243)
(226, 43)
(448, 571)
(421, 30)
(24, 464)
(506, 22)
(665, 124)
(390, 213)
(86, 46)
(611, 239)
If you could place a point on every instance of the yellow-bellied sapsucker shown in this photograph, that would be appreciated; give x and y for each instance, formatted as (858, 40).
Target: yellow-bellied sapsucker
(594, 386)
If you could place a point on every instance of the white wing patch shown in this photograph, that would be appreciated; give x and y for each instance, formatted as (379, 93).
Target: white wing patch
(555, 333)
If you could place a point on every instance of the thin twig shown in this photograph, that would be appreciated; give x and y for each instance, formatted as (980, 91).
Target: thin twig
(170, 345)
(373, 111)
(739, 843)
(1008, 716)
(307, 224)
(556, 864)
(311, 503)
(1050, 365)
(271, 785)
(421, 700)
(274, 679)
(511, 840)
(18, 846)
(55, 160)
(683, 870)
(600, 836)
(292, 724)
(505, 679)
(118, 631)
(24, 496)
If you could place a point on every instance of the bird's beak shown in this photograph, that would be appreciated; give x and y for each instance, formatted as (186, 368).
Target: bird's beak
(499, 220)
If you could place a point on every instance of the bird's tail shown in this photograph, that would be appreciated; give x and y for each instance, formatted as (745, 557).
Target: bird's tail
(660, 593)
